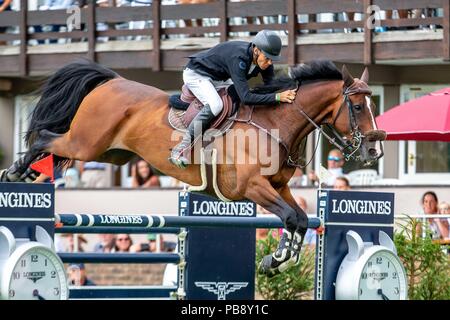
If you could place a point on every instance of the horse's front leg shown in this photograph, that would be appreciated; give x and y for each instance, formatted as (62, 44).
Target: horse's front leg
(294, 219)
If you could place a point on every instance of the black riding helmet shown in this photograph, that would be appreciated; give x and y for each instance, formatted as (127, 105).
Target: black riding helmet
(269, 43)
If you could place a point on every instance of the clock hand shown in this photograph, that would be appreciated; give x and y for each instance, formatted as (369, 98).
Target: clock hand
(36, 294)
(380, 292)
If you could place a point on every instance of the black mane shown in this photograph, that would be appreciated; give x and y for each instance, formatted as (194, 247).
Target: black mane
(317, 70)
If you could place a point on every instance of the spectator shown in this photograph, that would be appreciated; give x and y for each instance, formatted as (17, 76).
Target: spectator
(53, 5)
(106, 244)
(94, 174)
(298, 179)
(72, 178)
(142, 175)
(69, 243)
(150, 246)
(335, 164)
(77, 275)
(169, 246)
(342, 184)
(444, 208)
(438, 227)
(5, 5)
(123, 242)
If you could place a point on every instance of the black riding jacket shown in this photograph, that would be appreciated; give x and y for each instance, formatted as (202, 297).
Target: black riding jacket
(233, 59)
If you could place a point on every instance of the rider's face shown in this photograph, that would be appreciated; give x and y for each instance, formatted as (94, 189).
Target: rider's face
(261, 60)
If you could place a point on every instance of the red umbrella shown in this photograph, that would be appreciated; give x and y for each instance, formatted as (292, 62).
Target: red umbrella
(423, 119)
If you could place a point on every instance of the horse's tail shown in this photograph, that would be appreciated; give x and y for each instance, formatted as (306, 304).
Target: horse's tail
(61, 95)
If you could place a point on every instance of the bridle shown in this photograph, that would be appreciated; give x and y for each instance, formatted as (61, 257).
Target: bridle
(347, 147)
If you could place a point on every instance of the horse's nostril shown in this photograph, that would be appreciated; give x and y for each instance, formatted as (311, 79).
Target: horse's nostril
(373, 152)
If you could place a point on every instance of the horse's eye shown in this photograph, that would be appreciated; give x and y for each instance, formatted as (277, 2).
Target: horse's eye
(357, 107)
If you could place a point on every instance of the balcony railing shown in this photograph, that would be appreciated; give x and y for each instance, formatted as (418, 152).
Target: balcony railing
(127, 37)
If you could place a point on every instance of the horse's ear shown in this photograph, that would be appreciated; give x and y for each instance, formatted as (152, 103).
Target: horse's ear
(347, 77)
(365, 76)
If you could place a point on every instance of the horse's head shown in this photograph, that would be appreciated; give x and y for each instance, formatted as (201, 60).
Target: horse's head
(354, 119)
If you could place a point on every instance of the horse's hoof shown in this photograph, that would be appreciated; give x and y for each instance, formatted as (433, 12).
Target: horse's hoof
(272, 267)
(3, 175)
(29, 176)
(265, 267)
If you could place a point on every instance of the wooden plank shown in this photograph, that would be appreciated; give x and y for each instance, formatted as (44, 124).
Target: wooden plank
(257, 8)
(123, 33)
(123, 14)
(44, 63)
(9, 36)
(134, 59)
(342, 52)
(156, 6)
(9, 18)
(191, 30)
(191, 11)
(52, 17)
(23, 27)
(292, 32)
(407, 4)
(331, 25)
(58, 35)
(9, 65)
(223, 22)
(257, 27)
(446, 35)
(368, 33)
(411, 22)
(91, 26)
(407, 50)
(332, 6)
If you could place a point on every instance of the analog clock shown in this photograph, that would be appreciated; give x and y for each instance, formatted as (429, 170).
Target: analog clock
(371, 272)
(30, 269)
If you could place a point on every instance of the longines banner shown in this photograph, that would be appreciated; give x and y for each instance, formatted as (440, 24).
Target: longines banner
(221, 260)
(32, 203)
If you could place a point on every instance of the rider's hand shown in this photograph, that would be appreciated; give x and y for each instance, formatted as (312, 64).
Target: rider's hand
(287, 96)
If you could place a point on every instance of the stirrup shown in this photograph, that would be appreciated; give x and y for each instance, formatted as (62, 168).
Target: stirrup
(180, 161)
(287, 255)
(177, 158)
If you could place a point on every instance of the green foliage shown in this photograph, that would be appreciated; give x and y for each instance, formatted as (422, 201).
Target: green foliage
(427, 266)
(293, 284)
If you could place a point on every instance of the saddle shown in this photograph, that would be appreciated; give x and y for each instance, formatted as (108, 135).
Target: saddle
(185, 106)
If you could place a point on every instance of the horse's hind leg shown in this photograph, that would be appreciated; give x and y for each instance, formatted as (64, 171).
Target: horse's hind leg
(294, 218)
(20, 170)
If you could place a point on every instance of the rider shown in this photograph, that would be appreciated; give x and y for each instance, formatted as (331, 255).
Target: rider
(227, 63)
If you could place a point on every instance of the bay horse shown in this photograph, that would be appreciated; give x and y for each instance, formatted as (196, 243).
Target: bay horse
(87, 112)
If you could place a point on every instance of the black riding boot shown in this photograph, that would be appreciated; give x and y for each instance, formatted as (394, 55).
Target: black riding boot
(204, 117)
(286, 255)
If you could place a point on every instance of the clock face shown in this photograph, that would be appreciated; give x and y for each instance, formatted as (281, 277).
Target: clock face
(382, 278)
(35, 273)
